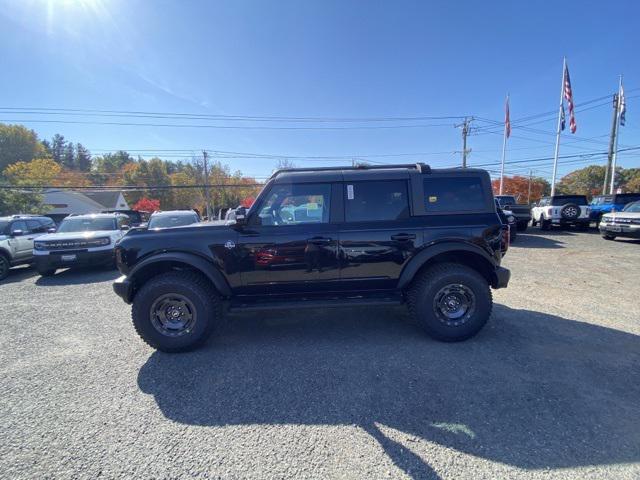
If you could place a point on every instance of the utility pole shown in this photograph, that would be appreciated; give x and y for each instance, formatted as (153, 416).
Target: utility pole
(207, 201)
(529, 194)
(615, 141)
(614, 122)
(465, 132)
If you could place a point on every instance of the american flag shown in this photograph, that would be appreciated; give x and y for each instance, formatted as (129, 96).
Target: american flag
(568, 95)
(623, 107)
(507, 120)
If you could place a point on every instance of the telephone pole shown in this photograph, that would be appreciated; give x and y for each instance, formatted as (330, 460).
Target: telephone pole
(529, 194)
(207, 201)
(465, 132)
(612, 142)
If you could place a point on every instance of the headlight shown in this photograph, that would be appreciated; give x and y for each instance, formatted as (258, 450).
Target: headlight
(605, 219)
(103, 241)
(511, 219)
(39, 245)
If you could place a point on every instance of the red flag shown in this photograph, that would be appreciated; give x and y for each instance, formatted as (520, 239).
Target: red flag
(568, 95)
(507, 120)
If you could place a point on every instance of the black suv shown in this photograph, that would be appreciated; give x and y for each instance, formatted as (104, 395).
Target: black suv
(320, 238)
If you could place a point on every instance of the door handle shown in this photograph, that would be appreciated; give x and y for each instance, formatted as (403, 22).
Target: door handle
(319, 240)
(403, 237)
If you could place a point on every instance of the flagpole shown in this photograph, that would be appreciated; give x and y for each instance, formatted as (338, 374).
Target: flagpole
(615, 144)
(504, 150)
(558, 129)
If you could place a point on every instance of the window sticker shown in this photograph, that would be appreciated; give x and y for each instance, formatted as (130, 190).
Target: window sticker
(350, 195)
(433, 199)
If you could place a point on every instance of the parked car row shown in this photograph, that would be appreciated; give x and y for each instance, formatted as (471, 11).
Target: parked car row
(78, 241)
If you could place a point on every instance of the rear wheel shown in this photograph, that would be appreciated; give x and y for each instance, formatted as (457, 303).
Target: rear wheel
(451, 302)
(4, 267)
(608, 236)
(176, 311)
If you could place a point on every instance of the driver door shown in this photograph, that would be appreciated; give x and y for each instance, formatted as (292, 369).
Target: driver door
(23, 243)
(289, 245)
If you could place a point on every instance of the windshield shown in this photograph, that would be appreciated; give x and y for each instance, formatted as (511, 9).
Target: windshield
(165, 221)
(79, 224)
(506, 200)
(632, 207)
(577, 199)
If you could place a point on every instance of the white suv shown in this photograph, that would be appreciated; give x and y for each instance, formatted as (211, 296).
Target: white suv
(561, 210)
(81, 240)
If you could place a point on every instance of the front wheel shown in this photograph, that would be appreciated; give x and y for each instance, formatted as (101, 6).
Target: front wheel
(451, 302)
(544, 224)
(607, 236)
(176, 311)
(4, 267)
(46, 272)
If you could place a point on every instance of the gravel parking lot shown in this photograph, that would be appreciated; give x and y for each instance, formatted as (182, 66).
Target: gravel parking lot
(550, 389)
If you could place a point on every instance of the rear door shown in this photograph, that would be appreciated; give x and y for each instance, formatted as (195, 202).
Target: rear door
(379, 235)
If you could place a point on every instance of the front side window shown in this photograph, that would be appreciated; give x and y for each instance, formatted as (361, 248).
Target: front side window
(296, 204)
(76, 224)
(453, 194)
(376, 201)
(21, 226)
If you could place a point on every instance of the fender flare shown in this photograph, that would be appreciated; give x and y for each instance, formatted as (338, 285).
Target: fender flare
(431, 251)
(206, 267)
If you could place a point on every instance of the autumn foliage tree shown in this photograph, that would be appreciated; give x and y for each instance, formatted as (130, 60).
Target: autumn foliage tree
(518, 186)
(147, 204)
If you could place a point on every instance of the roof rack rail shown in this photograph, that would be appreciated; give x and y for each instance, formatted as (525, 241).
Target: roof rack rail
(421, 167)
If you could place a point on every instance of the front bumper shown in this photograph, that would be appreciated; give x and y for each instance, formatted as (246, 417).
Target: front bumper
(501, 278)
(630, 231)
(123, 288)
(74, 259)
(575, 221)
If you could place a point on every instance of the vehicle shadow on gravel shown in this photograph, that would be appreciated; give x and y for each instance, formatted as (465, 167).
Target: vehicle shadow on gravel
(528, 240)
(78, 277)
(531, 390)
(19, 274)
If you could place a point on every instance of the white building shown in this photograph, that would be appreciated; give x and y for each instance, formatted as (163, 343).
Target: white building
(63, 202)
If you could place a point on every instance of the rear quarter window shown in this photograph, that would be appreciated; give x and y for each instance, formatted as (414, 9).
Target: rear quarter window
(454, 194)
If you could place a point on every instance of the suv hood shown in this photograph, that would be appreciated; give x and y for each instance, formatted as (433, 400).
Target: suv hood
(634, 215)
(76, 235)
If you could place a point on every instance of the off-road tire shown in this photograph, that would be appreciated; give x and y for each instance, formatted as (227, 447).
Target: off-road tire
(193, 286)
(607, 236)
(47, 273)
(544, 224)
(421, 300)
(4, 266)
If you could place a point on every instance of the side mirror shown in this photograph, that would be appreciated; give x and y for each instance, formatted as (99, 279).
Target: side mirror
(17, 233)
(124, 227)
(51, 230)
(241, 216)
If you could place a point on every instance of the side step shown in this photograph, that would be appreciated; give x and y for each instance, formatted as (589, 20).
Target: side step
(278, 304)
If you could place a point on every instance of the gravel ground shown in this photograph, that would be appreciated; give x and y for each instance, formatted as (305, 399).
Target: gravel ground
(549, 389)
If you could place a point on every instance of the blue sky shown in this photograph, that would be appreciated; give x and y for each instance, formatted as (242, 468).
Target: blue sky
(344, 59)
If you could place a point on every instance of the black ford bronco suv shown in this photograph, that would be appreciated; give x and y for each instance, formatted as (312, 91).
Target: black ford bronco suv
(325, 237)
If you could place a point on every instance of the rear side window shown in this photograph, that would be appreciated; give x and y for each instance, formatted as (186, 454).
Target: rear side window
(376, 201)
(453, 194)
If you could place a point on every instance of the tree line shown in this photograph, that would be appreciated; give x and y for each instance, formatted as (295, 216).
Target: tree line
(27, 160)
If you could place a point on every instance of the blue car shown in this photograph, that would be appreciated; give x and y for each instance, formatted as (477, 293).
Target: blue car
(602, 204)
